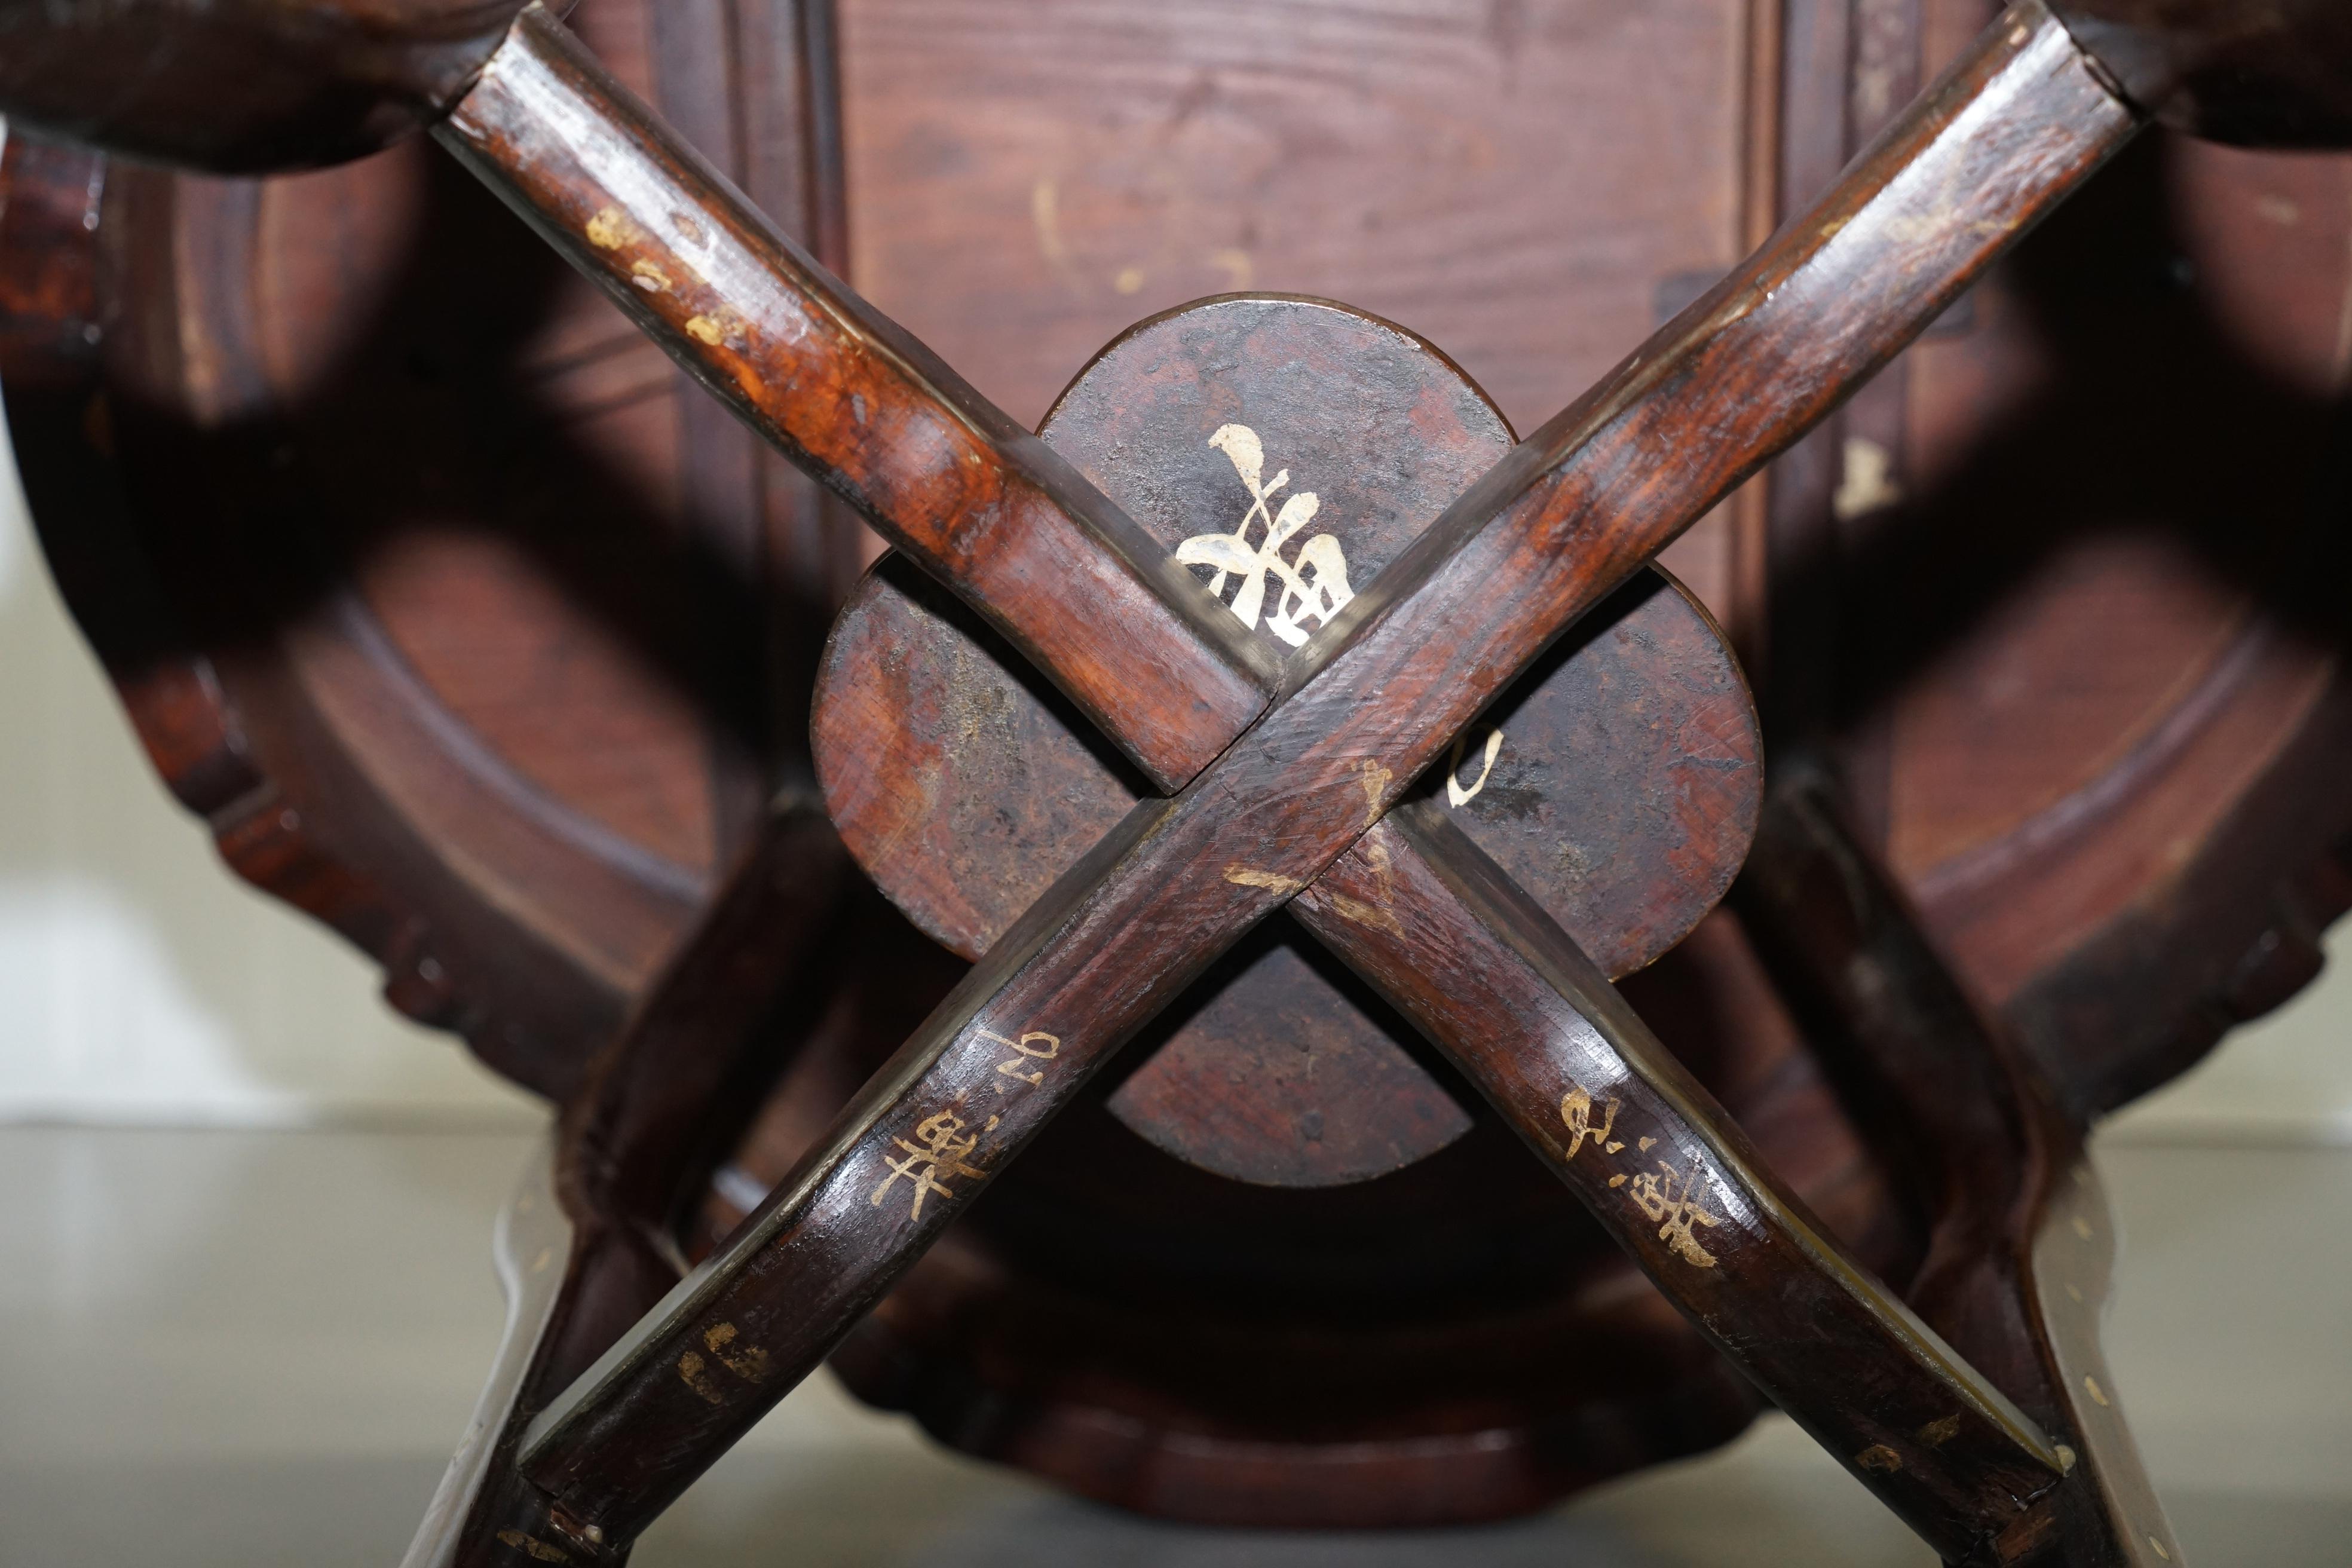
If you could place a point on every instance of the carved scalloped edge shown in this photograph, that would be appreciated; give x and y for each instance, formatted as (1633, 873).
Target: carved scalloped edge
(2141, 1000)
(53, 316)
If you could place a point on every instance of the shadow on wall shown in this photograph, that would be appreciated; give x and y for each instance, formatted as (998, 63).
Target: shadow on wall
(140, 980)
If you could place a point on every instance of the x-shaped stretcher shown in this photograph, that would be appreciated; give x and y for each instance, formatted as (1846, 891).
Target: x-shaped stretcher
(1281, 783)
(1285, 786)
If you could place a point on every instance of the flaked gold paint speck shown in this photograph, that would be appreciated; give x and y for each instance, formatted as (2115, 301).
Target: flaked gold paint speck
(1251, 877)
(1455, 793)
(609, 229)
(532, 1547)
(695, 1372)
(750, 1363)
(1364, 914)
(1879, 1457)
(1377, 776)
(2091, 1387)
(1311, 587)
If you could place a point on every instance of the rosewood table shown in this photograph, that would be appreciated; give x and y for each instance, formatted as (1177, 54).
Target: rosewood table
(1266, 961)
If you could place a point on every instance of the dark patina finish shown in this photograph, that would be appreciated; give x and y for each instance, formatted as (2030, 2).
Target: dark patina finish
(1993, 1458)
(2267, 73)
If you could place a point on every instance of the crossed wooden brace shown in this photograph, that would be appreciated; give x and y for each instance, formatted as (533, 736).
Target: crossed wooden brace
(1282, 784)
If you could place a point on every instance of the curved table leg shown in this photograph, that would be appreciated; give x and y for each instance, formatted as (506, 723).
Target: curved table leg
(2021, 1247)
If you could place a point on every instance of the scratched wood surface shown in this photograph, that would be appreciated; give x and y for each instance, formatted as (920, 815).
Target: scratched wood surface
(1619, 781)
(497, 731)
(1402, 668)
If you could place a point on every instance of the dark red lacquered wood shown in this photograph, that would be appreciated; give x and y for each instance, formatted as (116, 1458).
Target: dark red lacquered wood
(1528, 1018)
(2016, 1270)
(1622, 797)
(2252, 990)
(935, 468)
(1165, 891)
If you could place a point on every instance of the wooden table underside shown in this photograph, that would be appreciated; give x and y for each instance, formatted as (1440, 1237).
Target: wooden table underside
(474, 631)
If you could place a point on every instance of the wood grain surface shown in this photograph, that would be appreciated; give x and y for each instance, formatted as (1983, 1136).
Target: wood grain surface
(1949, 184)
(1621, 799)
(968, 494)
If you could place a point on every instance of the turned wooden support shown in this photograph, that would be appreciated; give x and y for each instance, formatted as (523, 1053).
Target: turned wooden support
(2021, 1247)
(243, 86)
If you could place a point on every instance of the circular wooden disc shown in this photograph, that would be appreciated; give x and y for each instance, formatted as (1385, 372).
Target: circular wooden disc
(1617, 782)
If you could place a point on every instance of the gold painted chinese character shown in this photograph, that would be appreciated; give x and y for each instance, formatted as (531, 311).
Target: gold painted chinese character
(1313, 586)
(1576, 1109)
(1675, 1202)
(939, 1149)
(1027, 1048)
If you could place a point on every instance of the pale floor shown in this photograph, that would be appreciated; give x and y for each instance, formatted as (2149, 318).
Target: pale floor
(256, 1348)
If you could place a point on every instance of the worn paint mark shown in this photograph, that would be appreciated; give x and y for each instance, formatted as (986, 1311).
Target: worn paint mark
(1674, 1200)
(2091, 1387)
(1376, 781)
(649, 277)
(1045, 218)
(1129, 280)
(1865, 481)
(684, 223)
(1455, 793)
(2160, 1551)
(1239, 273)
(1025, 1049)
(1878, 1456)
(2082, 1227)
(2065, 1459)
(703, 330)
(1936, 1434)
(546, 1256)
(533, 1547)
(1251, 877)
(610, 229)
(1576, 1111)
(1365, 914)
(1646, 1144)
(1617, 1180)
(939, 1150)
(750, 1363)
(695, 1372)
(2075, 1294)
(1313, 586)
